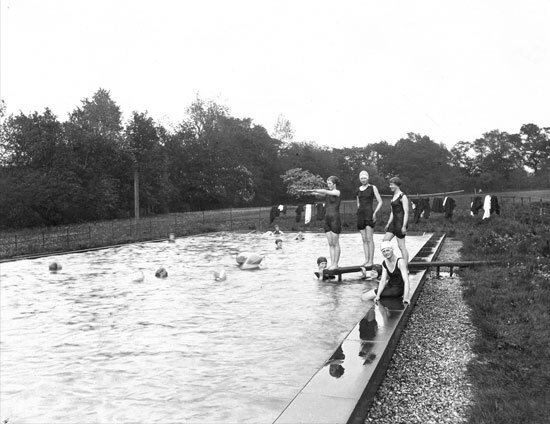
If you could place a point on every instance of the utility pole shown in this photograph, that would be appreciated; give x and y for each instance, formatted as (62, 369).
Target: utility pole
(136, 194)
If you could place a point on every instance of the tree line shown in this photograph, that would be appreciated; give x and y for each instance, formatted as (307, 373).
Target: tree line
(84, 168)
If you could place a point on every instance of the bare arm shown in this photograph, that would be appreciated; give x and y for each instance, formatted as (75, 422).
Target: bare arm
(405, 201)
(382, 283)
(378, 201)
(405, 274)
(390, 220)
(334, 192)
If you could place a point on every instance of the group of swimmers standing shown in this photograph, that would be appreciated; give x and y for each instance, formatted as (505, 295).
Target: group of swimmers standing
(394, 281)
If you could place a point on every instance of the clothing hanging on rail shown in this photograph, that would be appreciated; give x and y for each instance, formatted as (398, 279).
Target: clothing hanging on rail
(449, 206)
(476, 205)
(309, 209)
(437, 205)
(299, 211)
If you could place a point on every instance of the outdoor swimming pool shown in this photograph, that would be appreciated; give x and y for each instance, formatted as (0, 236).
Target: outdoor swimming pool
(88, 344)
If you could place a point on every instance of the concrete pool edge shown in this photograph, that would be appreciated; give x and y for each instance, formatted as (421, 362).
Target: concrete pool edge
(322, 401)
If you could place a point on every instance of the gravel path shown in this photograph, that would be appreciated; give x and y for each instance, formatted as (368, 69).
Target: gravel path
(426, 381)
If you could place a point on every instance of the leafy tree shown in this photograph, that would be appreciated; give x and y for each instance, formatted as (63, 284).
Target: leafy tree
(423, 164)
(497, 157)
(353, 160)
(297, 179)
(308, 156)
(283, 130)
(94, 135)
(535, 146)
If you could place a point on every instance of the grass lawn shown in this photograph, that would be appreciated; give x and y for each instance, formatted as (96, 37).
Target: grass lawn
(510, 306)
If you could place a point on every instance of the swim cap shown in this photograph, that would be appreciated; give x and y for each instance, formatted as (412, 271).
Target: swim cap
(363, 173)
(161, 273)
(386, 245)
(321, 259)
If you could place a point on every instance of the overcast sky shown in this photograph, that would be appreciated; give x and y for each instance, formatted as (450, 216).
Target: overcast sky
(343, 72)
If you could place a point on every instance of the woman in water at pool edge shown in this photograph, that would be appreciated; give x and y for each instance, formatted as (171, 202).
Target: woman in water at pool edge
(395, 277)
(399, 217)
(333, 226)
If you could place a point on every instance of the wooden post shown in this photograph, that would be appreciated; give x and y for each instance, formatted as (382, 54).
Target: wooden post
(259, 218)
(136, 194)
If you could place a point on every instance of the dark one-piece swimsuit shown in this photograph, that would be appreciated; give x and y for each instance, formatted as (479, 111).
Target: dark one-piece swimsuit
(398, 217)
(364, 211)
(395, 286)
(332, 214)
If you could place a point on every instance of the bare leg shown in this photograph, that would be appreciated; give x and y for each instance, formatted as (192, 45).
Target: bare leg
(330, 249)
(334, 248)
(365, 245)
(404, 251)
(370, 246)
(388, 236)
(369, 296)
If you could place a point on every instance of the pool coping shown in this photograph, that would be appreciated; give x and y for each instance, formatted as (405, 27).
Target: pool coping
(320, 404)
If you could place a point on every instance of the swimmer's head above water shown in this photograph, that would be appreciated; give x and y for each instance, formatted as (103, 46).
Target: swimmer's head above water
(54, 267)
(161, 273)
(322, 262)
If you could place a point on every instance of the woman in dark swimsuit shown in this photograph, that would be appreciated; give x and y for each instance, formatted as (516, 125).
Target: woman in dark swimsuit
(395, 277)
(366, 217)
(399, 217)
(333, 225)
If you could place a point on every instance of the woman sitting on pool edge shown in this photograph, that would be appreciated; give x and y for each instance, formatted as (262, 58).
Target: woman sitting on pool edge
(395, 277)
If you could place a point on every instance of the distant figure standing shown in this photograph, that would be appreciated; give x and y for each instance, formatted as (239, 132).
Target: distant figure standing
(366, 217)
(333, 225)
(399, 217)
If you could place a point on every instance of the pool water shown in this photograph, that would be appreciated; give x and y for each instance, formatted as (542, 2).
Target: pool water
(91, 345)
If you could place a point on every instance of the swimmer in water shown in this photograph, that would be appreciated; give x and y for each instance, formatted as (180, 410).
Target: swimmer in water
(276, 231)
(220, 275)
(300, 236)
(278, 244)
(161, 273)
(54, 267)
(322, 264)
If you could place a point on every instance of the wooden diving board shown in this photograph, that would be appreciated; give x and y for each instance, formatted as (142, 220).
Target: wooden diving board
(337, 272)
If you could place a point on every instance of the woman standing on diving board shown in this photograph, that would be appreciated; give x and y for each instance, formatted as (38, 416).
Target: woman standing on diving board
(333, 225)
(366, 217)
(399, 217)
